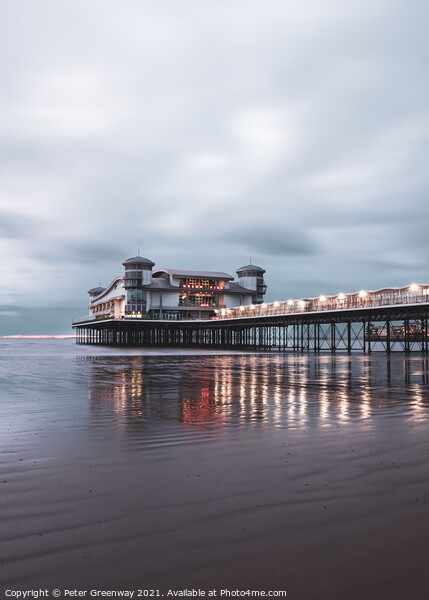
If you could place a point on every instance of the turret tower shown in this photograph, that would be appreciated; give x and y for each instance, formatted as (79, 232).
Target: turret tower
(251, 277)
(138, 272)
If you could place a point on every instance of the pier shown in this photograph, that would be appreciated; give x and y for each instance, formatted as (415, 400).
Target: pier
(386, 320)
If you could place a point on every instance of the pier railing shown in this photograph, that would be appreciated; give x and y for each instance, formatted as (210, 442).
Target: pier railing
(413, 294)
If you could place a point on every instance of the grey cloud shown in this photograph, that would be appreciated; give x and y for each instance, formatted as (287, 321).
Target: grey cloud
(10, 307)
(13, 225)
(91, 253)
(134, 138)
(274, 242)
(393, 266)
(78, 252)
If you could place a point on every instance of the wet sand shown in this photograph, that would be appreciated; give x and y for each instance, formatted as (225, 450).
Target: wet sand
(298, 473)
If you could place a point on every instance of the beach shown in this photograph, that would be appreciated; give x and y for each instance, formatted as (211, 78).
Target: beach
(167, 470)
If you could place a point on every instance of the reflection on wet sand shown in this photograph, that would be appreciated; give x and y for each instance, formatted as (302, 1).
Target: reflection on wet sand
(240, 471)
(212, 392)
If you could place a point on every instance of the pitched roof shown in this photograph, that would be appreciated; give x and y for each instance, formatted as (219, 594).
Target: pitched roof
(188, 273)
(237, 288)
(160, 283)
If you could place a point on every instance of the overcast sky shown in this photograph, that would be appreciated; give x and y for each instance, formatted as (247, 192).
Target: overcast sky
(294, 133)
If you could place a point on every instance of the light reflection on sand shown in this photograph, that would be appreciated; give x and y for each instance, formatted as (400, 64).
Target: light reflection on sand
(288, 391)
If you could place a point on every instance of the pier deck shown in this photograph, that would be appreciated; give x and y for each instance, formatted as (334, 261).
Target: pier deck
(399, 327)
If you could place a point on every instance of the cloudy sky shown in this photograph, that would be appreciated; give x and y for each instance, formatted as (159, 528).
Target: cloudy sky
(291, 132)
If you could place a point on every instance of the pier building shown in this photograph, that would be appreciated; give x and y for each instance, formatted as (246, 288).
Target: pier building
(143, 292)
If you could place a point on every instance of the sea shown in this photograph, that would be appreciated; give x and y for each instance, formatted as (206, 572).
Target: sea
(165, 472)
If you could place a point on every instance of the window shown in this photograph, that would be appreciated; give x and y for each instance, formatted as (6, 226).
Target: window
(201, 283)
(136, 301)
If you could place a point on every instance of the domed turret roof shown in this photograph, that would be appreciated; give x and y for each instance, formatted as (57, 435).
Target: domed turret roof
(96, 290)
(138, 259)
(250, 268)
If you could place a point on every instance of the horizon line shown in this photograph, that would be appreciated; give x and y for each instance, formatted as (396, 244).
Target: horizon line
(39, 336)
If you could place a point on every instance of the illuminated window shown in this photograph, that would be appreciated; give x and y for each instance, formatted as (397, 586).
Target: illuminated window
(203, 300)
(195, 282)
